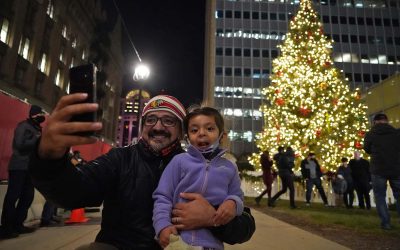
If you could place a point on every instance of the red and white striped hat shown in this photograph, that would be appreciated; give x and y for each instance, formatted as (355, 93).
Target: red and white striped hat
(165, 103)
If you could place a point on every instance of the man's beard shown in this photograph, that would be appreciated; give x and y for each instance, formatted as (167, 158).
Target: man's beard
(156, 144)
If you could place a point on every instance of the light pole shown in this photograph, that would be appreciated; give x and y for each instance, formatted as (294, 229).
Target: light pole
(141, 73)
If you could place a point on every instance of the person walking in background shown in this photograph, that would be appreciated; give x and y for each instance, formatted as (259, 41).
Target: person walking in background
(20, 191)
(311, 172)
(362, 179)
(345, 171)
(285, 163)
(382, 142)
(201, 166)
(266, 165)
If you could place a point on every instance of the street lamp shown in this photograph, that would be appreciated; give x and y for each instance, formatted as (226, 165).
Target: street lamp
(141, 73)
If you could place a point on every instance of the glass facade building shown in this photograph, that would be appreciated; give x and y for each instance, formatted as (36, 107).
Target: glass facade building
(242, 39)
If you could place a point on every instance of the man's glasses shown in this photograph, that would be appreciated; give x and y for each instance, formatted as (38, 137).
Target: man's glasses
(166, 121)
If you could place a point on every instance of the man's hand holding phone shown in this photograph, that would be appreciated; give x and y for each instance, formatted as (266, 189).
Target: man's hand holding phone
(60, 133)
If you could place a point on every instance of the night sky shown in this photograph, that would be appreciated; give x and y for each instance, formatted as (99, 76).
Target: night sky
(169, 36)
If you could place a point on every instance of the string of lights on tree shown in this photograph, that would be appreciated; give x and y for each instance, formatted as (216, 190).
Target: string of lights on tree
(309, 104)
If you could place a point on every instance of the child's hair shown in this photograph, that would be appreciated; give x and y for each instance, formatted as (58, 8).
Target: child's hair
(207, 111)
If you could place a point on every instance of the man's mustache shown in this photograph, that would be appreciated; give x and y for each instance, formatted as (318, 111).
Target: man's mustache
(153, 133)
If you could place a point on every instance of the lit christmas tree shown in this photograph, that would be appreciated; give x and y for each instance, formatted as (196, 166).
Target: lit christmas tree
(311, 107)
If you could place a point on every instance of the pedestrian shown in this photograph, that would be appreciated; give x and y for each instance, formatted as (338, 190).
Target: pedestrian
(268, 178)
(285, 163)
(49, 215)
(382, 143)
(203, 169)
(362, 180)
(124, 179)
(311, 172)
(20, 190)
(345, 171)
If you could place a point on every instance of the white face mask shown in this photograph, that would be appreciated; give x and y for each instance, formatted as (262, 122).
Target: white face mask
(210, 148)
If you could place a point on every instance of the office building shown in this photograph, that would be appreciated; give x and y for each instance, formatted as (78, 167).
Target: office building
(128, 120)
(242, 39)
(41, 39)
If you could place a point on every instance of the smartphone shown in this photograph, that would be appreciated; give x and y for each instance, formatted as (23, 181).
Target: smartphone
(83, 80)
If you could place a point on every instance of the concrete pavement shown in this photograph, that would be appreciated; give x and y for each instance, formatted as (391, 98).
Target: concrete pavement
(270, 234)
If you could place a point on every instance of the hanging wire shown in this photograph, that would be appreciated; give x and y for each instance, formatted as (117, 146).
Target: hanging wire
(126, 30)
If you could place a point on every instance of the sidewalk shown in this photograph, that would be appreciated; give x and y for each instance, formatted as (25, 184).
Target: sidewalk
(270, 234)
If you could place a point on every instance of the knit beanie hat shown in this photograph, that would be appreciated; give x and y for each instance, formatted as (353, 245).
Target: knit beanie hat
(165, 103)
(35, 110)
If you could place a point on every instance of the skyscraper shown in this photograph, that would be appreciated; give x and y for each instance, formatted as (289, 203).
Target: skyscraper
(242, 42)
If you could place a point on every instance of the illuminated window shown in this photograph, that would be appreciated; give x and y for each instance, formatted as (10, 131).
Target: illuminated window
(50, 9)
(42, 63)
(58, 81)
(64, 31)
(4, 30)
(23, 49)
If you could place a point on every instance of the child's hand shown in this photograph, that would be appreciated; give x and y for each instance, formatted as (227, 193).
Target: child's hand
(225, 213)
(164, 235)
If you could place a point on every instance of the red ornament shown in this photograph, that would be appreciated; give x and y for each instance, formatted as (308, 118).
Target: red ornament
(279, 73)
(358, 145)
(327, 64)
(280, 101)
(304, 111)
(335, 101)
(310, 61)
(321, 31)
(309, 33)
(318, 133)
(361, 133)
(277, 91)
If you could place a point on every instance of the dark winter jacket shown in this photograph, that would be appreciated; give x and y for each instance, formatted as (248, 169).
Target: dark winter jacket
(123, 180)
(306, 172)
(360, 170)
(346, 173)
(266, 165)
(26, 135)
(284, 163)
(382, 142)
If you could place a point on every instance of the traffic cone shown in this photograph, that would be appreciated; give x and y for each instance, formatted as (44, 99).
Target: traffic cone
(77, 216)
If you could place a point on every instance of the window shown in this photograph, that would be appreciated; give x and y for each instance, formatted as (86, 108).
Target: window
(256, 53)
(265, 53)
(246, 15)
(228, 51)
(218, 51)
(367, 77)
(238, 52)
(42, 63)
(363, 39)
(352, 20)
(228, 72)
(273, 16)
(353, 39)
(238, 72)
(336, 38)
(228, 14)
(247, 72)
(264, 15)
(345, 39)
(256, 73)
(218, 71)
(343, 20)
(58, 81)
(219, 14)
(23, 49)
(334, 19)
(360, 20)
(378, 22)
(395, 22)
(369, 21)
(64, 31)
(255, 15)
(325, 19)
(386, 22)
(357, 77)
(375, 78)
(274, 53)
(282, 17)
(50, 9)
(364, 58)
(4, 30)
(246, 52)
(238, 14)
